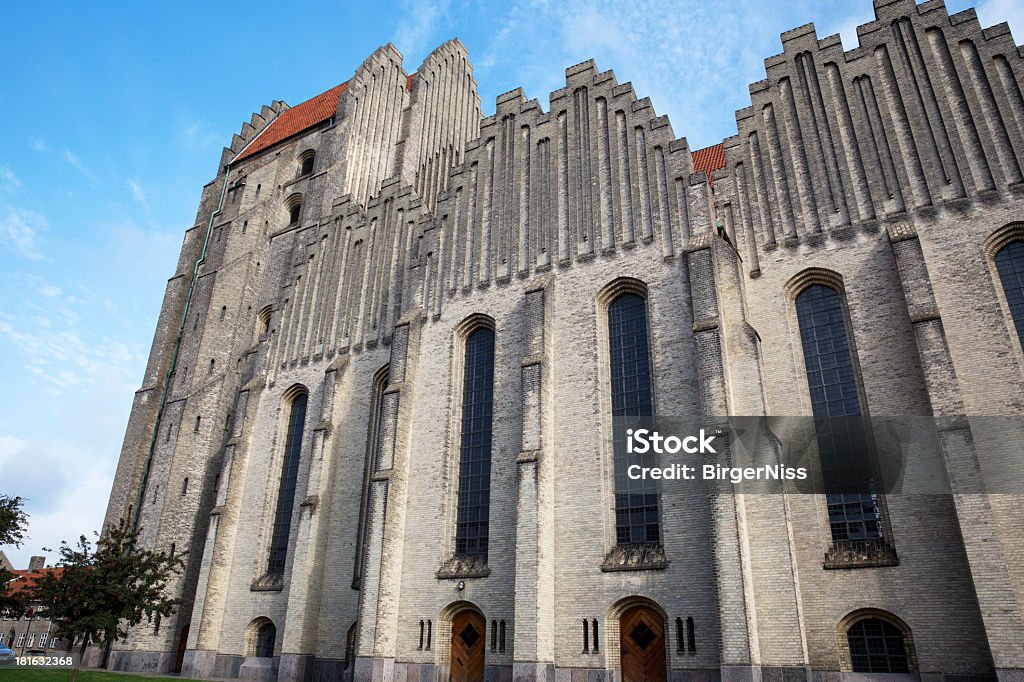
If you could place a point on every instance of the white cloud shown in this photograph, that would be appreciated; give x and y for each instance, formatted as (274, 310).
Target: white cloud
(992, 12)
(38, 144)
(79, 165)
(847, 27)
(683, 55)
(418, 28)
(64, 486)
(20, 231)
(197, 137)
(50, 291)
(138, 194)
(9, 182)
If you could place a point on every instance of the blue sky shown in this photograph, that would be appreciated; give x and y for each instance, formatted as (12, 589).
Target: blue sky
(111, 122)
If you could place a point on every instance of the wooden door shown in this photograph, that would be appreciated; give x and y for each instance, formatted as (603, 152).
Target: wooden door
(642, 638)
(469, 634)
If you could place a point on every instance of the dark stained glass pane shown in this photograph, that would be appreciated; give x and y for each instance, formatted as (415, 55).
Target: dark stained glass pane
(636, 501)
(876, 647)
(1010, 264)
(475, 454)
(286, 490)
(265, 640)
(842, 443)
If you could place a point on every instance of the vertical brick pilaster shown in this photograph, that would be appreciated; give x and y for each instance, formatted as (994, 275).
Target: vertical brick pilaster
(379, 606)
(978, 527)
(533, 633)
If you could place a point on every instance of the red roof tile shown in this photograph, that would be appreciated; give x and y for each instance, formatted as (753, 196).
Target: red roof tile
(709, 160)
(24, 581)
(293, 121)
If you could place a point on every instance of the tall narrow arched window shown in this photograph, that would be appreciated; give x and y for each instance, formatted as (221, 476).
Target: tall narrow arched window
(475, 453)
(877, 646)
(853, 511)
(1010, 265)
(636, 501)
(286, 489)
(380, 382)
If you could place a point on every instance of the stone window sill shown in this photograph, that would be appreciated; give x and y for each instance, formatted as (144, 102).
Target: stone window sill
(860, 554)
(269, 582)
(465, 566)
(637, 557)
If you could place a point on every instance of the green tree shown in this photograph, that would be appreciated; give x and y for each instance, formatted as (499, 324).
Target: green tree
(13, 520)
(99, 595)
(13, 524)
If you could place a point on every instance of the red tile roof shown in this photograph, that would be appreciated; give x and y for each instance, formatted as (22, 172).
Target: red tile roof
(24, 581)
(709, 160)
(293, 121)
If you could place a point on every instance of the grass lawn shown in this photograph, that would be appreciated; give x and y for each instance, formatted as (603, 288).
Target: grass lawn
(13, 674)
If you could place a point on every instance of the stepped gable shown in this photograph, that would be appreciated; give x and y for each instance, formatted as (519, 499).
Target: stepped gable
(293, 121)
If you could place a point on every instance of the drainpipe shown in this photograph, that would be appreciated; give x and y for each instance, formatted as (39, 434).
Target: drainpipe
(177, 349)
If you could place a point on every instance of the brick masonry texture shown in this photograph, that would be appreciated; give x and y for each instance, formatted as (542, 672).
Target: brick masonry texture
(891, 172)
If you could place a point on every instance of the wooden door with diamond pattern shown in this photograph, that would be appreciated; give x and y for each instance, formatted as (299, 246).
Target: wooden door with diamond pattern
(642, 635)
(469, 630)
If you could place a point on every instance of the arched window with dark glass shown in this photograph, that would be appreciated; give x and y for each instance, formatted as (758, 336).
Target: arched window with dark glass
(380, 383)
(1010, 265)
(636, 501)
(471, 526)
(306, 162)
(853, 511)
(877, 646)
(286, 489)
(265, 638)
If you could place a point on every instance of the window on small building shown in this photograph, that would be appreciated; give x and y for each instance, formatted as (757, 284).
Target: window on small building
(876, 647)
(42, 639)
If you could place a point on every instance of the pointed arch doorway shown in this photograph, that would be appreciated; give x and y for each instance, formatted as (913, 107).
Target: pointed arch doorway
(642, 645)
(469, 631)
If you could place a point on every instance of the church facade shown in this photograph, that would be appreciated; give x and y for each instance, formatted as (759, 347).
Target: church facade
(378, 409)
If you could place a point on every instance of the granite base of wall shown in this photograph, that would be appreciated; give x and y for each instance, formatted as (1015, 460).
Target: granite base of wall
(198, 664)
(259, 669)
(295, 668)
(141, 661)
